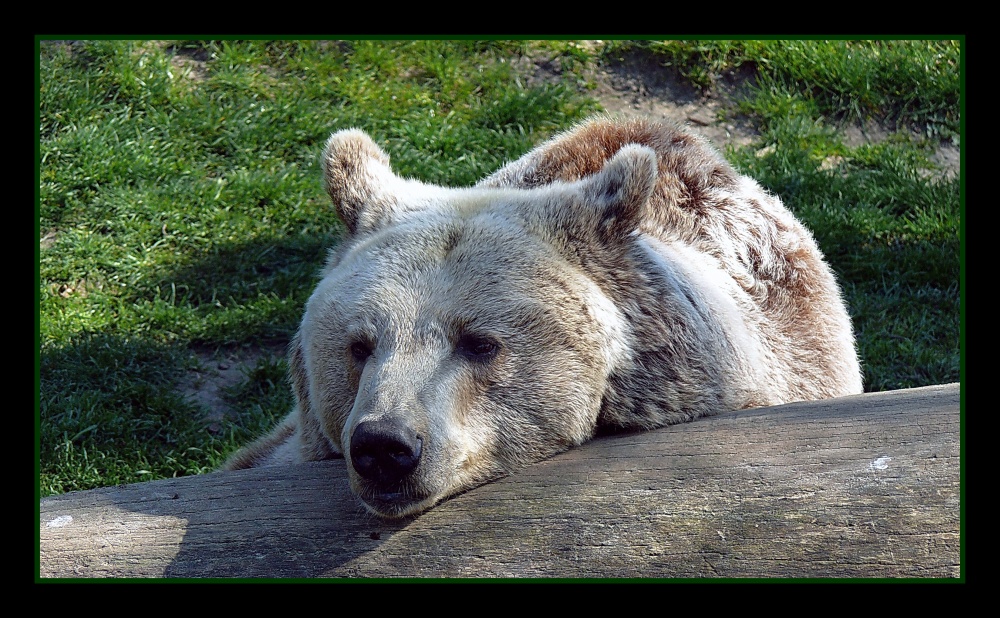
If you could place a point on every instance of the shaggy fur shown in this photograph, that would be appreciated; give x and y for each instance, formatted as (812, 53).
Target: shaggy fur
(621, 275)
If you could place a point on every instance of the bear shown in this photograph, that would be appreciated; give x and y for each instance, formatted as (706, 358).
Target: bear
(620, 276)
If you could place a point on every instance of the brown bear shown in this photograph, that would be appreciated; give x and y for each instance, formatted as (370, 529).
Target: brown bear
(621, 275)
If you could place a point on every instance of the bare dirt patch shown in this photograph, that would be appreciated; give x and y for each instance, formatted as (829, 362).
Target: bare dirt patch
(190, 62)
(637, 84)
(219, 371)
(47, 240)
(949, 158)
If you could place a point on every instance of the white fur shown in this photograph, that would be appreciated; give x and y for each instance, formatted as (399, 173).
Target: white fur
(621, 275)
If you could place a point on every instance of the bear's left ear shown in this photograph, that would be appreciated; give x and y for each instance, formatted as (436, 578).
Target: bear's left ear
(358, 179)
(620, 190)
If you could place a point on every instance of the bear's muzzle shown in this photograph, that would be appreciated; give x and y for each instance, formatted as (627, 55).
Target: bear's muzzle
(385, 451)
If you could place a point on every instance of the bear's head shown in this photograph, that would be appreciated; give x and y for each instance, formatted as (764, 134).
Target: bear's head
(460, 333)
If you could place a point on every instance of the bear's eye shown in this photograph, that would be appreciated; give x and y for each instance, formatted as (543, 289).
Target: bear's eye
(477, 348)
(360, 351)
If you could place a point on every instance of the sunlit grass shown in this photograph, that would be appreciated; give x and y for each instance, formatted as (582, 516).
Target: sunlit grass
(181, 206)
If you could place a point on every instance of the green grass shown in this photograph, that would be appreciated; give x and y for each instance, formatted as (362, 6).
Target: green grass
(181, 207)
(903, 83)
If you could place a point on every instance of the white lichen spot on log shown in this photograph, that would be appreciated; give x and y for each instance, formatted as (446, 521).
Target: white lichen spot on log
(59, 522)
(880, 464)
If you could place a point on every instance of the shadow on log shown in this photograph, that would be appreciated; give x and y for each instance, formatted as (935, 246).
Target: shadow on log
(863, 486)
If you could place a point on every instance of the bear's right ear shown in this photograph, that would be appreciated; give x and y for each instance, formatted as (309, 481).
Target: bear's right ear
(621, 189)
(358, 179)
(613, 200)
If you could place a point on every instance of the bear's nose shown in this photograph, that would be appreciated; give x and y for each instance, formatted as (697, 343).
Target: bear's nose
(385, 450)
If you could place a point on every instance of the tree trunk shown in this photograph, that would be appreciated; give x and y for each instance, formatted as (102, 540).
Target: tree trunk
(862, 486)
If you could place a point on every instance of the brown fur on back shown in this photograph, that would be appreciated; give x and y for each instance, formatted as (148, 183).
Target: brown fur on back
(702, 202)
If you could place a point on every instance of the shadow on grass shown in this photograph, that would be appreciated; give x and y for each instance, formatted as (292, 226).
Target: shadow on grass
(110, 407)
(109, 413)
(243, 292)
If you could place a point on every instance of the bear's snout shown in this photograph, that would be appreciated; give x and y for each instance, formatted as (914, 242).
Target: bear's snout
(385, 451)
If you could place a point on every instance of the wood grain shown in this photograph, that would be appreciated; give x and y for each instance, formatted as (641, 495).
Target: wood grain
(863, 486)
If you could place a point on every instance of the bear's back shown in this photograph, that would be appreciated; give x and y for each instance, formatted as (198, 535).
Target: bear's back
(702, 204)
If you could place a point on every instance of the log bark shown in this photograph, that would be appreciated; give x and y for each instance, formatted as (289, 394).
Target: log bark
(863, 486)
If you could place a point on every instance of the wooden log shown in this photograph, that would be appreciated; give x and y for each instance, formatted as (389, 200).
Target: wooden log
(863, 486)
